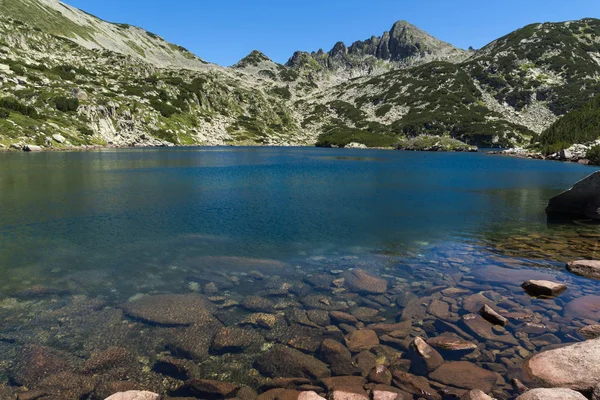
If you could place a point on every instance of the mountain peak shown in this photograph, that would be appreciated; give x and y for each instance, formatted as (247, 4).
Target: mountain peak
(253, 59)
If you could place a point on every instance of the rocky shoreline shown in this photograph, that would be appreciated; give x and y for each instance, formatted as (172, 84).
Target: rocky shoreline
(345, 334)
(576, 154)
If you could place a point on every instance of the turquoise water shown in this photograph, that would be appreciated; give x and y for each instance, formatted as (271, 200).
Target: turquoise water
(85, 238)
(122, 213)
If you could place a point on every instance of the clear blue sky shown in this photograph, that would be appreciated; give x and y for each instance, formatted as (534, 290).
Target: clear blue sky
(224, 31)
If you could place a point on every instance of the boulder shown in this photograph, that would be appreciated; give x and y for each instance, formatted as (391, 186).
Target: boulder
(386, 392)
(37, 362)
(543, 288)
(585, 268)
(551, 394)
(258, 304)
(31, 148)
(466, 375)
(565, 155)
(284, 362)
(360, 281)
(582, 200)
(170, 310)
(59, 138)
(361, 339)
(586, 307)
(574, 367)
(134, 395)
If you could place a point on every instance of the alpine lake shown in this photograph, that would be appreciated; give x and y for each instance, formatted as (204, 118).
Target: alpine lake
(146, 268)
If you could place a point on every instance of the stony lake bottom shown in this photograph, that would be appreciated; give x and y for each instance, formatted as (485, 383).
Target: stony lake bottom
(145, 268)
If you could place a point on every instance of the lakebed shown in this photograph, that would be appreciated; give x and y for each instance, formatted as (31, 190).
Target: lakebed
(147, 268)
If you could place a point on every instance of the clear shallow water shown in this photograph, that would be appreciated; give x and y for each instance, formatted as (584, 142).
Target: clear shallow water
(81, 233)
(114, 210)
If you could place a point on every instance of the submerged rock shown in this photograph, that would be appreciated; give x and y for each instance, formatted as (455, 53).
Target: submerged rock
(575, 367)
(483, 329)
(236, 340)
(475, 394)
(586, 307)
(451, 343)
(416, 385)
(585, 268)
(465, 375)
(134, 395)
(590, 331)
(361, 339)
(170, 310)
(424, 358)
(360, 281)
(284, 362)
(551, 394)
(582, 200)
(543, 288)
(338, 356)
(207, 389)
(492, 316)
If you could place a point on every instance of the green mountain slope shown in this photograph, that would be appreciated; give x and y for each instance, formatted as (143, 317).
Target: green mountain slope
(578, 126)
(60, 19)
(69, 78)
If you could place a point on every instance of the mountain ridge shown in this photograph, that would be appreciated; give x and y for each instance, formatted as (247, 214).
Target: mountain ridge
(94, 82)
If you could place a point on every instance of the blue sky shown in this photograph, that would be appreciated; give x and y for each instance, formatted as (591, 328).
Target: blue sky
(223, 31)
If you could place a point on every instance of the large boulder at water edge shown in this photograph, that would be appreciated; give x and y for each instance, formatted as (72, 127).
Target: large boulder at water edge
(134, 395)
(574, 367)
(582, 200)
(551, 394)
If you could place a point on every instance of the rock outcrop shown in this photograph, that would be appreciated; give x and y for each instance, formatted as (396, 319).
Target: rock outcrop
(582, 200)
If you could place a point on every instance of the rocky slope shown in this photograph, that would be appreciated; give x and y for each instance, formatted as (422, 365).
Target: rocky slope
(69, 78)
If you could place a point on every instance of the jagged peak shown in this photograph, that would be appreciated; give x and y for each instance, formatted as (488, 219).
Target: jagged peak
(255, 58)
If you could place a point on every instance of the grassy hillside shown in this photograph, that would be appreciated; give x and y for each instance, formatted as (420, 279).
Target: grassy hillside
(578, 126)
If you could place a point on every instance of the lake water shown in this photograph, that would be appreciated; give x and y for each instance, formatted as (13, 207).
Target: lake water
(107, 225)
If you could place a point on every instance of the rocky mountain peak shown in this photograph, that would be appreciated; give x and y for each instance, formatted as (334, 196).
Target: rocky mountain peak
(404, 45)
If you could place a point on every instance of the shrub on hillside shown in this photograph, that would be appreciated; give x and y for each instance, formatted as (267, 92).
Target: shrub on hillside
(66, 104)
(13, 104)
(4, 113)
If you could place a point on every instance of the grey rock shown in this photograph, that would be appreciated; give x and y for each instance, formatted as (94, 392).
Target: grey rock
(32, 148)
(585, 268)
(492, 316)
(582, 200)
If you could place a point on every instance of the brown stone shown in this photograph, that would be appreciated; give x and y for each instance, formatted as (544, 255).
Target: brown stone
(342, 317)
(361, 339)
(451, 343)
(207, 389)
(483, 329)
(284, 362)
(382, 328)
(416, 385)
(380, 374)
(235, 340)
(544, 288)
(492, 316)
(424, 358)
(338, 357)
(37, 362)
(590, 332)
(170, 310)
(107, 359)
(464, 374)
(586, 307)
(360, 281)
(475, 394)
